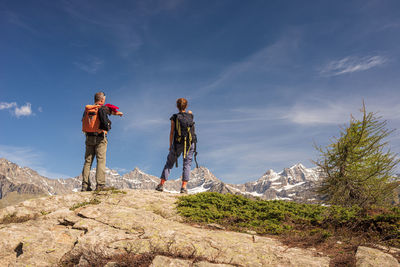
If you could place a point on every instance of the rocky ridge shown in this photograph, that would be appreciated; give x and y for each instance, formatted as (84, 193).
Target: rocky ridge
(293, 183)
(139, 222)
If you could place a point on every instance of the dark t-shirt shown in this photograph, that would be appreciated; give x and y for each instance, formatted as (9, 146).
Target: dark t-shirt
(105, 123)
(173, 117)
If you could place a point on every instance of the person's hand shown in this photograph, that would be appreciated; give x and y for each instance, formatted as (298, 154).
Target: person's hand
(119, 113)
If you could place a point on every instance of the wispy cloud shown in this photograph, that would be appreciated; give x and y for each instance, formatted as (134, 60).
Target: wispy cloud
(91, 65)
(250, 140)
(18, 111)
(23, 156)
(319, 111)
(28, 157)
(19, 21)
(268, 59)
(124, 26)
(352, 64)
(5, 105)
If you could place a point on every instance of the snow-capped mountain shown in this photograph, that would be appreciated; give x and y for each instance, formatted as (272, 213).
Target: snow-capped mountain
(201, 180)
(294, 183)
(135, 179)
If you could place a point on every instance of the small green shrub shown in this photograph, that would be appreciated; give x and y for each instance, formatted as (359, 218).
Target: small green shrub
(278, 217)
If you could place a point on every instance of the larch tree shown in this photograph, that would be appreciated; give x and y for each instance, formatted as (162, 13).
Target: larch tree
(358, 167)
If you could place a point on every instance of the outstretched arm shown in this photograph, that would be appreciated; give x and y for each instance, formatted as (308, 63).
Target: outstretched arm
(118, 113)
(91, 107)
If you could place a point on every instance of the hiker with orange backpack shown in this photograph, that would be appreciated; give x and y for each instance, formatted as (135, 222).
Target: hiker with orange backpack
(95, 125)
(182, 140)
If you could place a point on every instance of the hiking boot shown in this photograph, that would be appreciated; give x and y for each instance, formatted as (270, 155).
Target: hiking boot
(184, 190)
(160, 187)
(100, 187)
(86, 189)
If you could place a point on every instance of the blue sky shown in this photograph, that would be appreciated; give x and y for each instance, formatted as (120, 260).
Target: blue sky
(265, 79)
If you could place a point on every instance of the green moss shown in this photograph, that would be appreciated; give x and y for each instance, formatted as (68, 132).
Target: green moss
(43, 212)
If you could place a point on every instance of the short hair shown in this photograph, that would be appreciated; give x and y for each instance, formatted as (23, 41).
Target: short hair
(181, 104)
(99, 96)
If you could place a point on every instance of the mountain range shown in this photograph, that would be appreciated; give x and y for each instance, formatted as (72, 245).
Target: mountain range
(294, 183)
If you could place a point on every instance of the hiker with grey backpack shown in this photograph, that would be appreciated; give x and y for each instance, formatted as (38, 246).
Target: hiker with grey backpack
(182, 140)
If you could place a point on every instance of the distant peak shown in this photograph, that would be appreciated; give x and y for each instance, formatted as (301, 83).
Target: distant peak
(269, 172)
(202, 168)
(5, 160)
(298, 165)
(136, 169)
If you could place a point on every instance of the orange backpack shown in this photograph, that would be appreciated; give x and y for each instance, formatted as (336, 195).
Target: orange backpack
(90, 121)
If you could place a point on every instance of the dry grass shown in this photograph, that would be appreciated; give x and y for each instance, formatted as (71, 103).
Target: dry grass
(121, 260)
(13, 218)
(93, 201)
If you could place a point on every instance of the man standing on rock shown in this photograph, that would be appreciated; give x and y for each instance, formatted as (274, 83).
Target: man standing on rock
(95, 125)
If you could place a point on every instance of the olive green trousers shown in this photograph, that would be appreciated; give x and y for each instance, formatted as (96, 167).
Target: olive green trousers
(96, 146)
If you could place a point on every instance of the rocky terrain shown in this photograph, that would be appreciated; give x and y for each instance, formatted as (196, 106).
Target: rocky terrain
(67, 230)
(293, 183)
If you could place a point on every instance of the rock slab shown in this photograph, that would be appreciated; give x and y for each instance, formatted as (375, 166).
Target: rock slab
(138, 222)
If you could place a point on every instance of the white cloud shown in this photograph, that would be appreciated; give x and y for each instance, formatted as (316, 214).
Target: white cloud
(91, 65)
(25, 110)
(5, 105)
(352, 64)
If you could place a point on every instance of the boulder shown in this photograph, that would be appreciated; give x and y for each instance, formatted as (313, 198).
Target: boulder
(370, 257)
